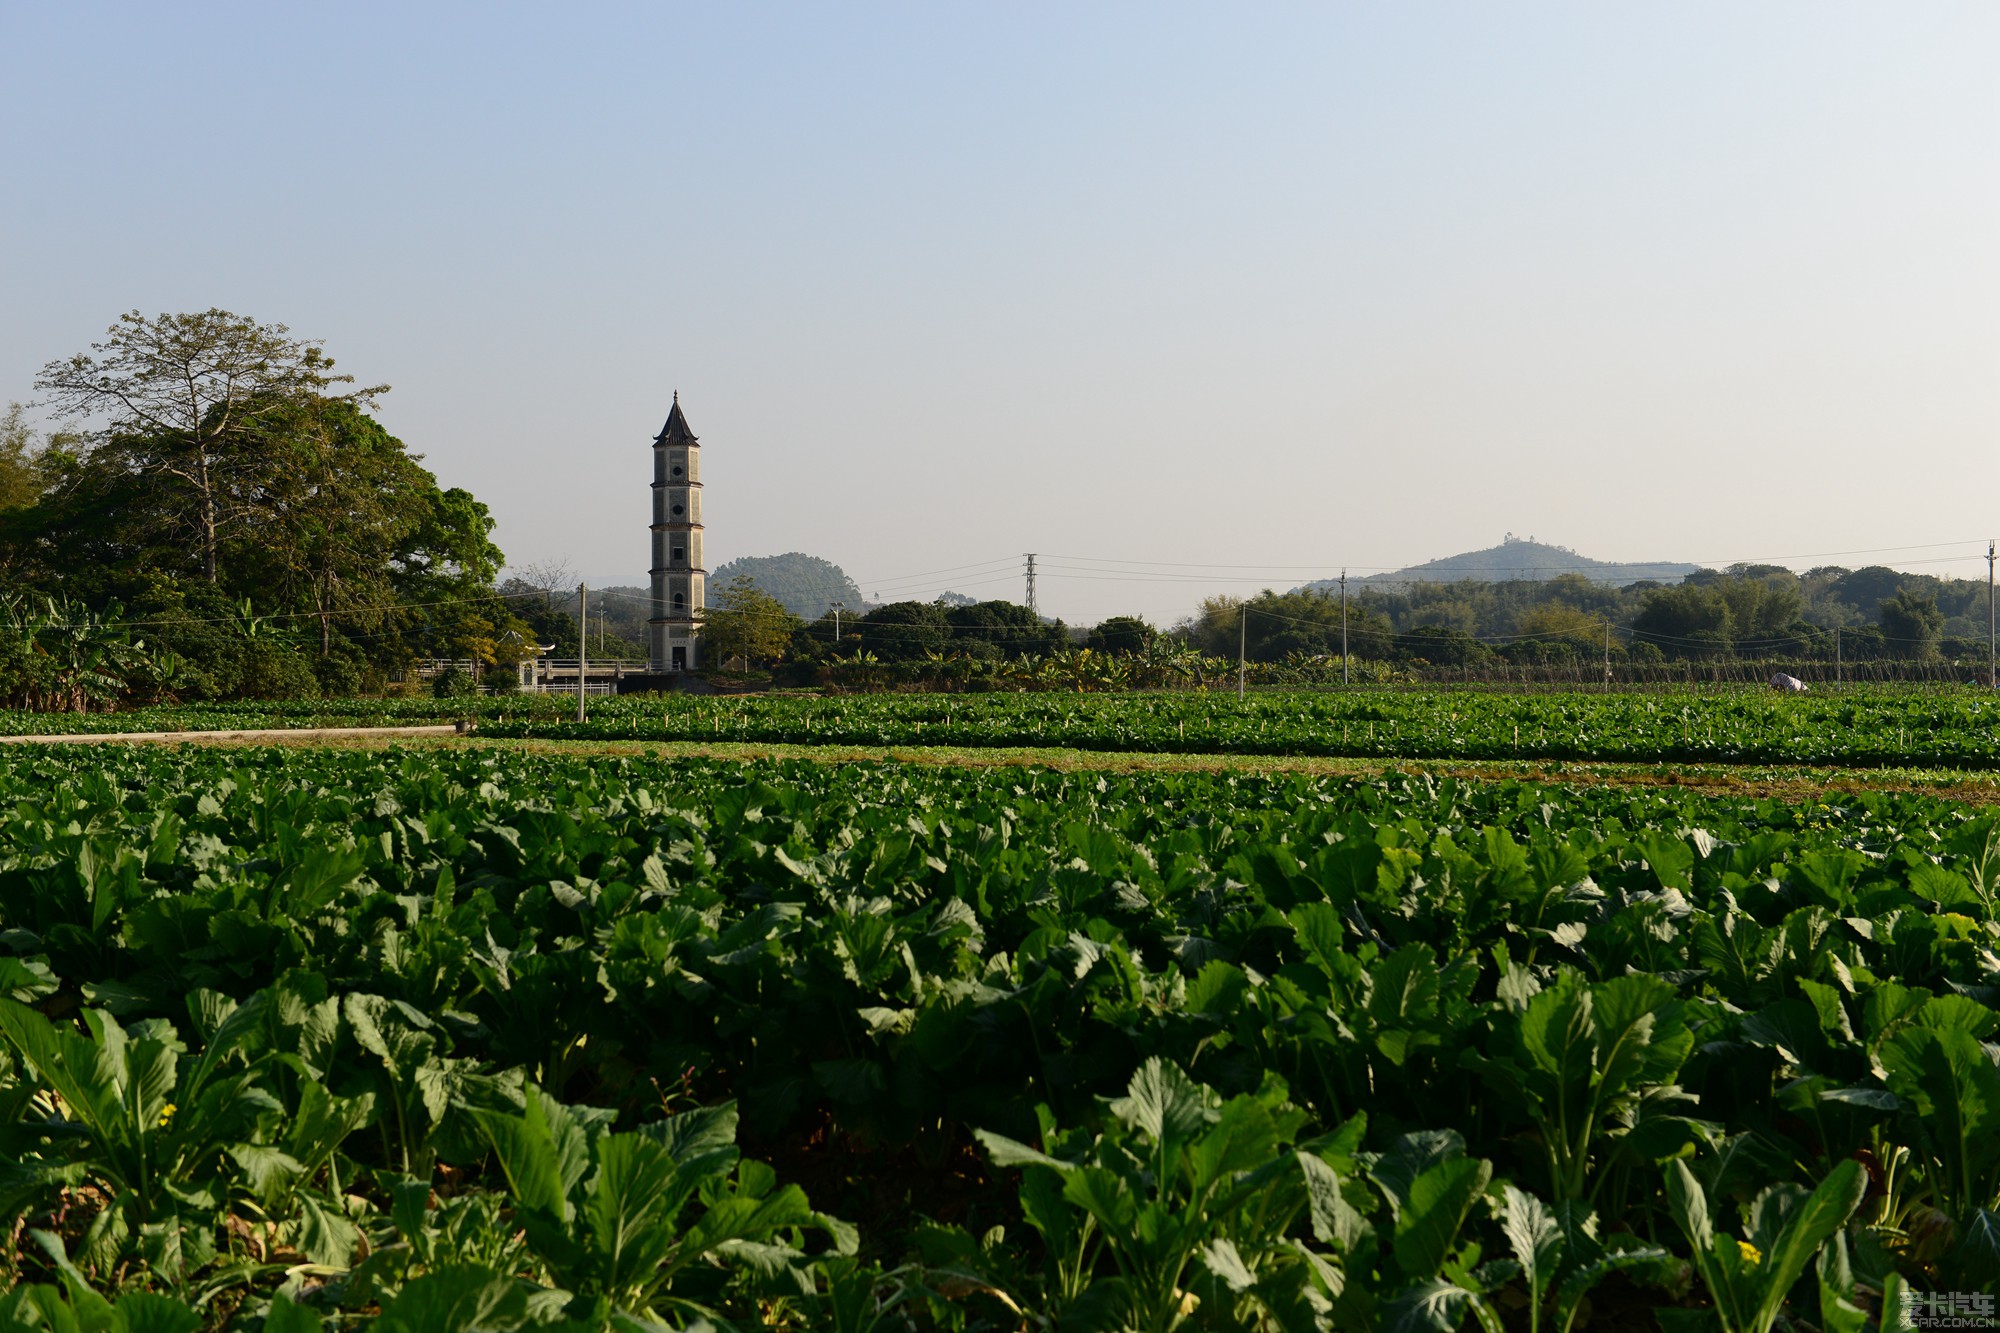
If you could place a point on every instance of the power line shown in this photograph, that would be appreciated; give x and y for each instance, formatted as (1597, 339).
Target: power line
(923, 574)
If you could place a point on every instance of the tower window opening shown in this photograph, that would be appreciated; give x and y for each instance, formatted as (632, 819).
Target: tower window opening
(677, 472)
(679, 601)
(679, 509)
(680, 553)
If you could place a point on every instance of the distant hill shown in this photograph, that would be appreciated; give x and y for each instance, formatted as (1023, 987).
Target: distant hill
(1513, 559)
(806, 584)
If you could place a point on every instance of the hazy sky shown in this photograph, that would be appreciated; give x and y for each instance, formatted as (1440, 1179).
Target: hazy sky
(1202, 286)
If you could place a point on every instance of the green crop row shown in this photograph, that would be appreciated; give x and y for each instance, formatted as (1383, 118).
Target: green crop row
(270, 713)
(1854, 726)
(456, 1040)
(1860, 727)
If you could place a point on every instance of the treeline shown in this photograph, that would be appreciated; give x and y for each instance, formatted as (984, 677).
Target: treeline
(745, 623)
(978, 647)
(1740, 624)
(1744, 613)
(218, 516)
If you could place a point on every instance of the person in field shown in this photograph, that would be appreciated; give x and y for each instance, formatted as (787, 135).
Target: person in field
(1789, 684)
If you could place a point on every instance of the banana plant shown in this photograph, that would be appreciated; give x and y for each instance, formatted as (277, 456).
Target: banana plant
(1749, 1278)
(68, 657)
(645, 1224)
(168, 673)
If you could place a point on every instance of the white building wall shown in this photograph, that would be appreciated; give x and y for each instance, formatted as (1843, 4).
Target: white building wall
(679, 581)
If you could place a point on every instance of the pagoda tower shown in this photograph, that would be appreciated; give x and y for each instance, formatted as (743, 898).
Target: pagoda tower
(679, 581)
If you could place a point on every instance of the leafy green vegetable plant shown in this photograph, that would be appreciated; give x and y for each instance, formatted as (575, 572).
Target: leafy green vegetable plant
(1749, 1278)
(156, 1132)
(1588, 1064)
(1562, 1257)
(624, 1220)
(1190, 1199)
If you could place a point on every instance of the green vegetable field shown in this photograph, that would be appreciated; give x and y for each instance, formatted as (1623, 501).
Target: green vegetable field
(1862, 727)
(1852, 726)
(484, 1039)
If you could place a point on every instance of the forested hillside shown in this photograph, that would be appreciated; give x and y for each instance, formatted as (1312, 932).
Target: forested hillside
(1516, 559)
(806, 584)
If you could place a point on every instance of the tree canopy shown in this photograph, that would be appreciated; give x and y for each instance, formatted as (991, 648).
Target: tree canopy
(20, 480)
(900, 631)
(746, 622)
(225, 488)
(1275, 625)
(181, 400)
(1911, 624)
(1122, 634)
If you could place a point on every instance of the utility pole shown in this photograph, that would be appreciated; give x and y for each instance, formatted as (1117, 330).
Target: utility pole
(582, 638)
(1992, 675)
(1607, 653)
(835, 608)
(1031, 581)
(1839, 672)
(1343, 627)
(1242, 639)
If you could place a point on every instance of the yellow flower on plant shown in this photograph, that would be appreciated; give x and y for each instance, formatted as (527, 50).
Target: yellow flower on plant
(167, 1114)
(1751, 1254)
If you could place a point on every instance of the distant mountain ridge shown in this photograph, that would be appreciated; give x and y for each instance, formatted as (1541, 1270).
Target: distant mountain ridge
(1518, 558)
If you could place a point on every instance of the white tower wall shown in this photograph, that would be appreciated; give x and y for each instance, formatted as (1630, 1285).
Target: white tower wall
(679, 579)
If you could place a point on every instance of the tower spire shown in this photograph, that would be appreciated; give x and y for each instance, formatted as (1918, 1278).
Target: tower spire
(678, 575)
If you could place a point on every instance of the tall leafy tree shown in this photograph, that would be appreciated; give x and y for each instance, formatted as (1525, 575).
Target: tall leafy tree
(1686, 620)
(747, 622)
(1010, 628)
(349, 525)
(342, 502)
(1122, 634)
(1284, 623)
(20, 482)
(183, 399)
(1558, 621)
(1911, 623)
(905, 631)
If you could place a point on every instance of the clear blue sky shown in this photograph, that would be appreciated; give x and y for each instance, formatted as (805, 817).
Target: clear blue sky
(1295, 286)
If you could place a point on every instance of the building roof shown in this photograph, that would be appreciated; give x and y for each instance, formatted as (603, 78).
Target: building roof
(676, 430)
